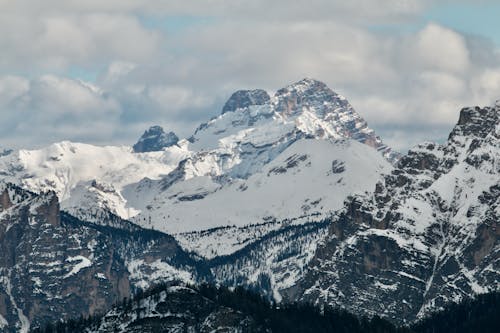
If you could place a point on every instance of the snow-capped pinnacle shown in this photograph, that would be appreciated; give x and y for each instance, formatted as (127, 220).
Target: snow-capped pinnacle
(306, 84)
(309, 94)
(476, 121)
(245, 98)
(155, 139)
(305, 108)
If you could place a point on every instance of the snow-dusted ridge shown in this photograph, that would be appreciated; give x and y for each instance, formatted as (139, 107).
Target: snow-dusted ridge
(182, 185)
(309, 178)
(429, 232)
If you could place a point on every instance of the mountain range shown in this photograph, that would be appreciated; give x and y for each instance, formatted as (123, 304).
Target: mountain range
(290, 195)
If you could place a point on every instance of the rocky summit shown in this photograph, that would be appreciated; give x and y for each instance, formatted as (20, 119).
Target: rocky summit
(155, 139)
(245, 98)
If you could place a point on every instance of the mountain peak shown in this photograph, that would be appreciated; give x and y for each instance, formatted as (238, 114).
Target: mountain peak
(477, 121)
(308, 107)
(245, 98)
(306, 86)
(309, 94)
(309, 83)
(155, 139)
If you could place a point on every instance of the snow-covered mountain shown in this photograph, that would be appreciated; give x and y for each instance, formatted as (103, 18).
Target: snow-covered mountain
(155, 139)
(240, 168)
(85, 176)
(428, 235)
(310, 179)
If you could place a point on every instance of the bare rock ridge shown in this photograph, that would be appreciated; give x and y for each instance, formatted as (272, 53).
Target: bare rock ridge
(316, 97)
(245, 98)
(155, 139)
(334, 116)
(476, 121)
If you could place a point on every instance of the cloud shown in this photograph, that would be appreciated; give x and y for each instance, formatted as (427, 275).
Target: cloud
(56, 42)
(51, 108)
(438, 48)
(12, 87)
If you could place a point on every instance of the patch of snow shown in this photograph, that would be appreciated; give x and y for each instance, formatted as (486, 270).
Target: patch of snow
(82, 262)
(390, 287)
(144, 274)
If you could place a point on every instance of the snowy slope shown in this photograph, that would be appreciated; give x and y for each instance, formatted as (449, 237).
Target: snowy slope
(310, 178)
(86, 176)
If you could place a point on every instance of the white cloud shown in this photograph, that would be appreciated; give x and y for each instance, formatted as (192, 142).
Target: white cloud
(438, 48)
(310, 9)
(486, 85)
(56, 42)
(52, 108)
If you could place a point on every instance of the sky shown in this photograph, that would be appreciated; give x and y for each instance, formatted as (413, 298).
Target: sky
(102, 72)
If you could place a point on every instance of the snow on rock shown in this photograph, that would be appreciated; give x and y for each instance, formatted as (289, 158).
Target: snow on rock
(155, 139)
(79, 262)
(55, 266)
(71, 169)
(252, 131)
(429, 230)
(174, 309)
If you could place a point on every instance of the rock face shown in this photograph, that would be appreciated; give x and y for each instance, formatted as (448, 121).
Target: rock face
(335, 115)
(245, 98)
(428, 235)
(54, 266)
(155, 139)
(307, 107)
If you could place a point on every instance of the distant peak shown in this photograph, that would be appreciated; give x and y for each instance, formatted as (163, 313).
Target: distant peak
(309, 93)
(155, 139)
(245, 98)
(309, 82)
(306, 85)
